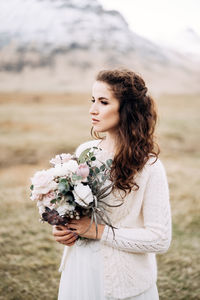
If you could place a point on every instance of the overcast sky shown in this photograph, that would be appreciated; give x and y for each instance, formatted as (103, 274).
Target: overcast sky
(159, 20)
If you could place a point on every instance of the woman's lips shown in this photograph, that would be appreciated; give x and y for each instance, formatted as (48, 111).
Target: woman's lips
(95, 120)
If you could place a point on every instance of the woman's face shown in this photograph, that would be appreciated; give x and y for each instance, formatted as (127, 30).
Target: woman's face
(104, 109)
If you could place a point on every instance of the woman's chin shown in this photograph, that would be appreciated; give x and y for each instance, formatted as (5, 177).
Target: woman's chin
(97, 128)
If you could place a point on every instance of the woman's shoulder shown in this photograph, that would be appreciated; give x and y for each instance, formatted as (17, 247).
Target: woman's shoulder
(85, 145)
(154, 166)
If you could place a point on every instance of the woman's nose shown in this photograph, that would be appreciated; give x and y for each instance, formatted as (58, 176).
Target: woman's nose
(93, 109)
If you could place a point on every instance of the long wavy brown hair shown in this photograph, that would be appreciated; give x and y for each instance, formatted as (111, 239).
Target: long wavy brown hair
(135, 140)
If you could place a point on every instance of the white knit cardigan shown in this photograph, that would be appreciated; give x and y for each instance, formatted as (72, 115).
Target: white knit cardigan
(143, 229)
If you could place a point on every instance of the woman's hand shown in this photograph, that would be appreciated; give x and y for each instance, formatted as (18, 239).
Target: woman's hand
(81, 227)
(64, 235)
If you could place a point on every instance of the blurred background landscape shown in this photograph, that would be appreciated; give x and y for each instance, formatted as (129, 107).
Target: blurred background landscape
(50, 52)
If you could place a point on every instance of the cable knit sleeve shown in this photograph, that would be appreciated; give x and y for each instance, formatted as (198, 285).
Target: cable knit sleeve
(155, 235)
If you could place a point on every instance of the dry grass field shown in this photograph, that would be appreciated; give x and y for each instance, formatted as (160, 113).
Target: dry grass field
(33, 128)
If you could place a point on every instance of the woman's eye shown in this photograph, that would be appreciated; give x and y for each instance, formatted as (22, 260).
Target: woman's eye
(104, 102)
(92, 100)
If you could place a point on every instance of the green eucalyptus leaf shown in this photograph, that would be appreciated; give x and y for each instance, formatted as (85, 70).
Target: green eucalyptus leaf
(96, 170)
(93, 158)
(31, 187)
(53, 201)
(109, 162)
(102, 168)
(91, 172)
(70, 198)
(76, 177)
(95, 183)
(63, 180)
(83, 156)
(67, 187)
(103, 177)
(63, 187)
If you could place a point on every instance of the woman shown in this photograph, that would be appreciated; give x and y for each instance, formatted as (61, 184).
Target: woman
(123, 265)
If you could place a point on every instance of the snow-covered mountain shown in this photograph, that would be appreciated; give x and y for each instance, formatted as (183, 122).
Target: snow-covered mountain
(60, 44)
(52, 26)
(187, 41)
(60, 23)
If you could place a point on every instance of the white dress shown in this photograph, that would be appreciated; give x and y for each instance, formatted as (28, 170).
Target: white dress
(82, 274)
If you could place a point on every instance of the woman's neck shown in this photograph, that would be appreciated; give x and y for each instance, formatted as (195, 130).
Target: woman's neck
(109, 143)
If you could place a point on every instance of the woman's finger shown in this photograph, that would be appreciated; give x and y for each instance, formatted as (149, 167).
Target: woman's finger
(71, 244)
(71, 240)
(65, 237)
(61, 227)
(61, 232)
(73, 226)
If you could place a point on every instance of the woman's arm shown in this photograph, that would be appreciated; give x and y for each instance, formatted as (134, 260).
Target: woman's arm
(155, 236)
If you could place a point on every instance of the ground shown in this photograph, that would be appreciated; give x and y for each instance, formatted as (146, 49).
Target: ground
(35, 127)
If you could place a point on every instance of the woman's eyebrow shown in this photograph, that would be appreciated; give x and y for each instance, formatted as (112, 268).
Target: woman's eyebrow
(101, 98)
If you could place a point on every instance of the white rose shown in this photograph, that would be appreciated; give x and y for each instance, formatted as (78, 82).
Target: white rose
(40, 207)
(65, 169)
(61, 158)
(82, 194)
(58, 170)
(62, 209)
(71, 165)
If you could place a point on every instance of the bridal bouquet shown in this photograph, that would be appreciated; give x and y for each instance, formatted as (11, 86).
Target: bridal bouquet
(72, 188)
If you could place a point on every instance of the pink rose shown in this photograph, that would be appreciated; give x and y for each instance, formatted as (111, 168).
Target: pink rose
(43, 182)
(83, 170)
(49, 196)
(47, 199)
(60, 159)
(35, 196)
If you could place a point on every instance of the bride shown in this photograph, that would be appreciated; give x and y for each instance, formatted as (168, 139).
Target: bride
(120, 265)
